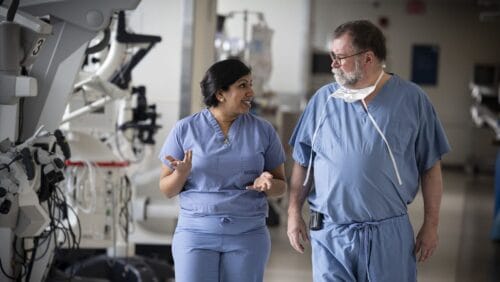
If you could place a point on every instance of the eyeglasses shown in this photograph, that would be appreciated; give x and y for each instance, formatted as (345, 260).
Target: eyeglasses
(338, 60)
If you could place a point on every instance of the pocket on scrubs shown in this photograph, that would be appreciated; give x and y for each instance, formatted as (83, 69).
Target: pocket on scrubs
(251, 167)
(327, 141)
(399, 138)
(228, 171)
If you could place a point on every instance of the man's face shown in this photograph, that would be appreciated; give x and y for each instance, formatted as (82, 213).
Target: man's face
(346, 62)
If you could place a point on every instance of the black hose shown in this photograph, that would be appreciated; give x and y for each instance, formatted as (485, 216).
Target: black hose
(101, 45)
(11, 13)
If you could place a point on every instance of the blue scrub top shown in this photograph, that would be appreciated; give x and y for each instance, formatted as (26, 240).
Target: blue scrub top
(354, 179)
(222, 170)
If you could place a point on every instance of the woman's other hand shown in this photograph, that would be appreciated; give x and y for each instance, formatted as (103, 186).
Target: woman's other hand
(262, 183)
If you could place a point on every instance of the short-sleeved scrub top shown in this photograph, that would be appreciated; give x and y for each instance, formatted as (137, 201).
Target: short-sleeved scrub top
(354, 177)
(223, 167)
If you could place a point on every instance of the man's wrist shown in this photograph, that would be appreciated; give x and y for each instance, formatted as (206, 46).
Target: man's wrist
(294, 210)
(431, 223)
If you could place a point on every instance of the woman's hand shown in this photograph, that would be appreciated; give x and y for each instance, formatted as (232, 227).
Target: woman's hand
(182, 167)
(262, 183)
(172, 181)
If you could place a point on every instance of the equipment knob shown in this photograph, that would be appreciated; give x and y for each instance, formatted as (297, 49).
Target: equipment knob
(5, 206)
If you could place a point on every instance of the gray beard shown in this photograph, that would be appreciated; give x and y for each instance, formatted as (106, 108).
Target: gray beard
(348, 79)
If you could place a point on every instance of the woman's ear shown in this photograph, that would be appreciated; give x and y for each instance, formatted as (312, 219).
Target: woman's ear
(219, 96)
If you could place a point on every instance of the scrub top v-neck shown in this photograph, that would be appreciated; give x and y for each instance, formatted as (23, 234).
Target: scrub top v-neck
(223, 167)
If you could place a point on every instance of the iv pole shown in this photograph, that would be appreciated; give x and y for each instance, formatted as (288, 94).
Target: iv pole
(245, 14)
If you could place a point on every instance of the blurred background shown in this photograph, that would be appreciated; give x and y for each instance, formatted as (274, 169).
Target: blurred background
(451, 48)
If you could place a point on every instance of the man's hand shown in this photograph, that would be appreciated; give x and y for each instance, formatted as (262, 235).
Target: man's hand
(426, 242)
(432, 191)
(297, 232)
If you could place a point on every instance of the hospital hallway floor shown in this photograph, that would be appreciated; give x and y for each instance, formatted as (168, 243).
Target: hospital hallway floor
(465, 252)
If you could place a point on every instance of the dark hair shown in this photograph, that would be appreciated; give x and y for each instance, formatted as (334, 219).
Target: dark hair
(365, 36)
(220, 76)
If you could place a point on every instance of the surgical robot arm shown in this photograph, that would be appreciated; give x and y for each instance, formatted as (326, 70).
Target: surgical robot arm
(42, 46)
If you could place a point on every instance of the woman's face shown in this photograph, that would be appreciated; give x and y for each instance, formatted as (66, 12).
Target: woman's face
(238, 98)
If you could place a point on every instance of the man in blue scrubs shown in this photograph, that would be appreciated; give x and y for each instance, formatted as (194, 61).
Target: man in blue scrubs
(361, 148)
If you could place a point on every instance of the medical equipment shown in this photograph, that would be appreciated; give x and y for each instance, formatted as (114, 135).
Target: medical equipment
(485, 90)
(485, 112)
(42, 45)
(111, 127)
(256, 51)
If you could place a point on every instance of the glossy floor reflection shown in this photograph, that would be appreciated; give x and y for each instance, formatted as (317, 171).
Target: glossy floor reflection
(465, 252)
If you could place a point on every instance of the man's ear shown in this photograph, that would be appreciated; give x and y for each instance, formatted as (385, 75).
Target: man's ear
(369, 57)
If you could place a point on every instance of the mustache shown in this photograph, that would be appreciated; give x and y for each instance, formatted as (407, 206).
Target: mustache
(337, 71)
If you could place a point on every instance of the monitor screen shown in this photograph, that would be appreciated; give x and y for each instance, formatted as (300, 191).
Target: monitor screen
(321, 63)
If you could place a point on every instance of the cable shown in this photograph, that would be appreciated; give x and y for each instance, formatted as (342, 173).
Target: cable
(1, 266)
(11, 13)
(20, 120)
(80, 188)
(125, 199)
(101, 45)
(58, 211)
(7, 166)
(24, 259)
(22, 263)
(118, 145)
(32, 261)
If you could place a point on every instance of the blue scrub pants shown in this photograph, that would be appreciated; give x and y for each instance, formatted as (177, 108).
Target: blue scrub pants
(367, 251)
(220, 249)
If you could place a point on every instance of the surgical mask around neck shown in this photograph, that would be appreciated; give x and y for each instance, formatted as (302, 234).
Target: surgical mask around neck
(353, 95)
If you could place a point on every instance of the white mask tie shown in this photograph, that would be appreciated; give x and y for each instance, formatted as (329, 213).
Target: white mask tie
(321, 117)
(386, 143)
(353, 95)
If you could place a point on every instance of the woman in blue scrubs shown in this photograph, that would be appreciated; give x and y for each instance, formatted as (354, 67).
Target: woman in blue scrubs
(223, 162)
